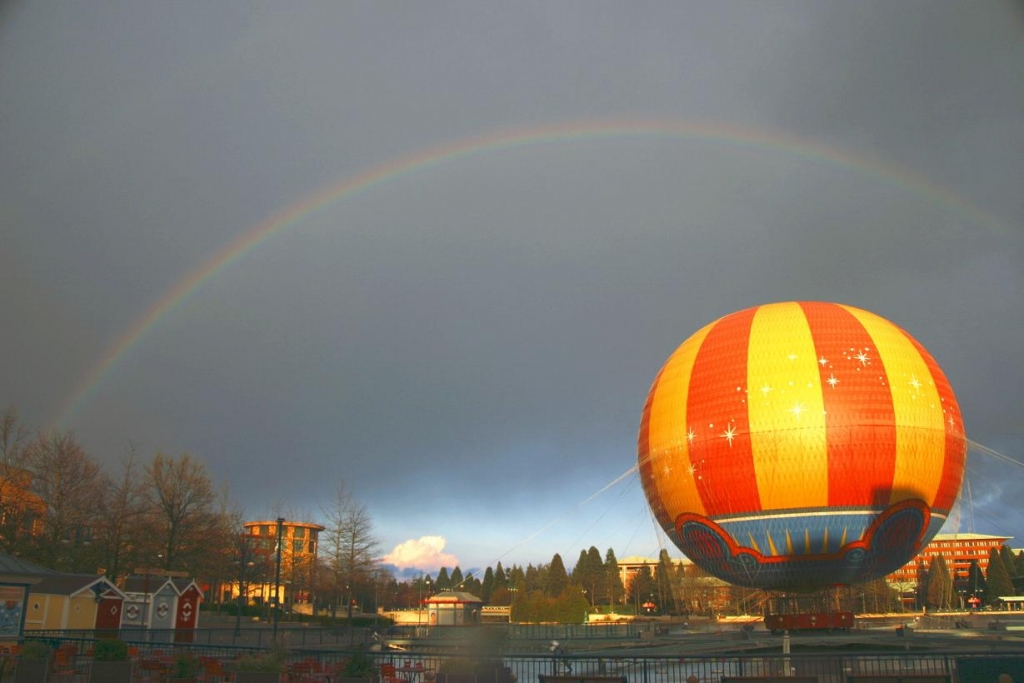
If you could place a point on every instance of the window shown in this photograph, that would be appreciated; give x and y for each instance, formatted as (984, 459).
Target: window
(297, 546)
(299, 532)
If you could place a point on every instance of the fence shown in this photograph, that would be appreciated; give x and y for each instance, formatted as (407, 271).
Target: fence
(331, 646)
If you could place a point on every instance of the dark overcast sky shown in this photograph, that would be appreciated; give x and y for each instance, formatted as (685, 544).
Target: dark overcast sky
(468, 343)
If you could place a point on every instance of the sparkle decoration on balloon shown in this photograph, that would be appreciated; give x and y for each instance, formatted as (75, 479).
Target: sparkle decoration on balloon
(843, 463)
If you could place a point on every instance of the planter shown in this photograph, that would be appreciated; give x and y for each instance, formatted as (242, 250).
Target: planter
(32, 671)
(111, 672)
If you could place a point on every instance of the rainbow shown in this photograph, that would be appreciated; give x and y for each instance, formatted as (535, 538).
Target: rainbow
(495, 141)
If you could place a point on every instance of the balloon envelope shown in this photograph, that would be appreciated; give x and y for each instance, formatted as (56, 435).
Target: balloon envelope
(801, 444)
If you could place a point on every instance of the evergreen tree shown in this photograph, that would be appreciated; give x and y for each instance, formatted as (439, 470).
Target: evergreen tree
(443, 582)
(580, 569)
(571, 606)
(516, 581)
(471, 584)
(940, 585)
(642, 587)
(531, 579)
(1009, 561)
(500, 577)
(668, 578)
(557, 580)
(487, 586)
(457, 579)
(997, 578)
(589, 573)
(976, 585)
(616, 591)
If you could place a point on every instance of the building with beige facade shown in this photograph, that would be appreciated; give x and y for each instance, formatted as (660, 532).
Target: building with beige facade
(298, 555)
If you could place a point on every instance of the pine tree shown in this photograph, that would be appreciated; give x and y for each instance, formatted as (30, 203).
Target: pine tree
(668, 579)
(998, 578)
(487, 586)
(616, 591)
(1009, 561)
(589, 573)
(457, 579)
(443, 581)
(557, 579)
(500, 577)
(531, 579)
(940, 585)
(976, 586)
(516, 580)
(642, 587)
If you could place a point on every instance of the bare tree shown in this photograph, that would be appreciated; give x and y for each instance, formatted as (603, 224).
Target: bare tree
(181, 501)
(117, 532)
(351, 546)
(66, 480)
(14, 436)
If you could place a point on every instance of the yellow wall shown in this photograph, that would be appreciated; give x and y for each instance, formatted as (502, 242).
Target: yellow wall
(80, 612)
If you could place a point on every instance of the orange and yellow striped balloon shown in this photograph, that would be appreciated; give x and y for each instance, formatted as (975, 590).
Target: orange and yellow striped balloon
(799, 444)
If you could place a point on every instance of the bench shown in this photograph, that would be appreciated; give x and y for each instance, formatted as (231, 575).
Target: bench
(769, 679)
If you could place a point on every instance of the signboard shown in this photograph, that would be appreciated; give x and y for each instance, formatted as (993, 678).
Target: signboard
(12, 609)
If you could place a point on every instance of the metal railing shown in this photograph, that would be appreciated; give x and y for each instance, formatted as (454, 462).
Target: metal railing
(334, 646)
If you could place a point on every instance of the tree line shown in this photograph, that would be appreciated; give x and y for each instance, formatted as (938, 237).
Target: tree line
(62, 510)
(937, 589)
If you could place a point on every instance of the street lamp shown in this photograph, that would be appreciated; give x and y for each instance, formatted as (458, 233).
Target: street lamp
(376, 607)
(277, 577)
(245, 568)
(419, 605)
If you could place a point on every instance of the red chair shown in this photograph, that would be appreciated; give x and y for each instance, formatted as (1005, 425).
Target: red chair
(63, 667)
(389, 675)
(213, 670)
(151, 670)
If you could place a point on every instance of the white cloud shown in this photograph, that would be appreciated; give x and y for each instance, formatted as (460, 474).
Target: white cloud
(426, 553)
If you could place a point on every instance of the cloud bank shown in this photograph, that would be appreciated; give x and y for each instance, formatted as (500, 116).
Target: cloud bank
(425, 554)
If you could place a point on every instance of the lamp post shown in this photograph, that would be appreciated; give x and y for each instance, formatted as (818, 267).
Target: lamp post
(376, 606)
(419, 606)
(419, 603)
(243, 593)
(277, 577)
(348, 597)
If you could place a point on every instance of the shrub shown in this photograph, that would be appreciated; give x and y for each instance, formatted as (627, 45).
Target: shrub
(359, 665)
(272, 660)
(185, 665)
(35, 649)
(110, 650)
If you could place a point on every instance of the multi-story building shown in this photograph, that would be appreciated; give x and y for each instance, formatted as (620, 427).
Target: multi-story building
(21, 511)
(298, 556)
(958, 550)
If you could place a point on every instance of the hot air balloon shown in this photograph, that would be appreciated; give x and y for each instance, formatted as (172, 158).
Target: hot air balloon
(800, 445)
